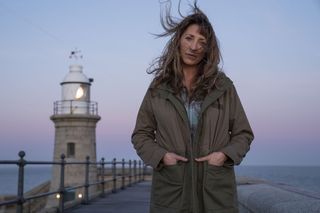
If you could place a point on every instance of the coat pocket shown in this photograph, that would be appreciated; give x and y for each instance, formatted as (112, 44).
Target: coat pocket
(167, 186)
(219, 190)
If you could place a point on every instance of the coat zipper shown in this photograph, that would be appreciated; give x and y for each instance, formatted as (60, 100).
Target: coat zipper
(194, 208)
(191, 138)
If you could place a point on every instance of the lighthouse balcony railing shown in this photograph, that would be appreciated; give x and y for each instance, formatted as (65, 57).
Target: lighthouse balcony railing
(75, 107)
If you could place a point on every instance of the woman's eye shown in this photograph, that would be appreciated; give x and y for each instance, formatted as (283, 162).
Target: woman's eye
(188, 38)
(203, 44)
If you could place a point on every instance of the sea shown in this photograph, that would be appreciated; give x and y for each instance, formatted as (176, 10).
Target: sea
(303, 177)
(34, 176)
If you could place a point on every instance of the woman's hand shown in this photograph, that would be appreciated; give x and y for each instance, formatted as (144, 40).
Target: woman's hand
(170, 159)
(215, 158)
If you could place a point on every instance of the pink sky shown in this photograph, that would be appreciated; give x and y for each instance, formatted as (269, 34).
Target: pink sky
(270, 51)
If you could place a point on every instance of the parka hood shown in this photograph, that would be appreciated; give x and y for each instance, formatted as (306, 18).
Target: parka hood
(222, 81)
(164, 90)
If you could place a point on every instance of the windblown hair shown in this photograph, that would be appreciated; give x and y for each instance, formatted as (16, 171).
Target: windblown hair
(168, 68)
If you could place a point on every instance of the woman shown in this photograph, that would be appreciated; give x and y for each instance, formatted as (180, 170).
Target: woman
(191, 127)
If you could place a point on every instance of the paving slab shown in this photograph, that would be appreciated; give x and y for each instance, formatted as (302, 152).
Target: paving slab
(134, 199)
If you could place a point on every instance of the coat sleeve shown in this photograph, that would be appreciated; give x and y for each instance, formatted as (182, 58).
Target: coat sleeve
(143, 136)
(241, 134)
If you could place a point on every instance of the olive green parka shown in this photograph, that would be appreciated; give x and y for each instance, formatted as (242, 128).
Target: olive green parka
(162, 126)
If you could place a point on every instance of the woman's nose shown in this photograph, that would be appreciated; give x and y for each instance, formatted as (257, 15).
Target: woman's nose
(195, 46)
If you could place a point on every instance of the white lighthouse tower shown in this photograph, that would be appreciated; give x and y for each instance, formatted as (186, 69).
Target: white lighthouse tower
(75, 117)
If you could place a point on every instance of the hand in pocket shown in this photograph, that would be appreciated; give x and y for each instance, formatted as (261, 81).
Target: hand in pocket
(170, 159)
(215, 158)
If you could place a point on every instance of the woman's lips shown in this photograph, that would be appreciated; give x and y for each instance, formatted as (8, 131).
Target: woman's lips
(192, 56)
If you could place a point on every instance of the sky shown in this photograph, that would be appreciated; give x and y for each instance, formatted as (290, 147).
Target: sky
(270, 49)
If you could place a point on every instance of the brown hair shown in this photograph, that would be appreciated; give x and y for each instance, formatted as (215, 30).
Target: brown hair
(167, 68)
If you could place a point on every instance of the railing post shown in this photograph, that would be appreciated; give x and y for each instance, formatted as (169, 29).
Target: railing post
(135, 170)
(71, 110)
(130, 173)
(21, 164)
(114, 173)
(102, 177)
(62, 189)
(144, 172)
(140, 171)
(123, 175)
(86, 186)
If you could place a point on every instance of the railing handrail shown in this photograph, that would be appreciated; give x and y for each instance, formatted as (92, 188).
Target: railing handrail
(20, 199)
(75, 107)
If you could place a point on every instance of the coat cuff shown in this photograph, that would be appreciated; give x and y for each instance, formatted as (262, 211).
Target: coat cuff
(232, 157)
(156, 159)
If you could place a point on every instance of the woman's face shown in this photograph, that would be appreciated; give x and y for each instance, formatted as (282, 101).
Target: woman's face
(192, 46)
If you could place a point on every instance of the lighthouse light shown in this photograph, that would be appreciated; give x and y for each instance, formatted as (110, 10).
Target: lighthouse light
(80, 93)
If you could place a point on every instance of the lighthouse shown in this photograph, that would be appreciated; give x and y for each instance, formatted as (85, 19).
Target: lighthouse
(75, 117)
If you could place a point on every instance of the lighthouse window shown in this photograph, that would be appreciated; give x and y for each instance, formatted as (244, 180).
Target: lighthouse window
(71, 150)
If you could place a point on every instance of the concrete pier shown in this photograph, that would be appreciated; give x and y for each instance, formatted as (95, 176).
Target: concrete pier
(255, 196)
(266, 197)
(133, 199)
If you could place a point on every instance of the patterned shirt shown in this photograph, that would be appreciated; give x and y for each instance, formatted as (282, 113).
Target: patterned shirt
(193, 109)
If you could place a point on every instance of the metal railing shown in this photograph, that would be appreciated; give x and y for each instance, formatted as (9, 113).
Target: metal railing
(136, 173)
(75, 107)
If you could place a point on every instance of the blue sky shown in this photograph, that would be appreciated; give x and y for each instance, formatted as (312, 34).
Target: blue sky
(270, 50)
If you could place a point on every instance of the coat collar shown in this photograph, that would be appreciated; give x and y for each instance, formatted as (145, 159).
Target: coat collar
(165, 91)
(222, 84)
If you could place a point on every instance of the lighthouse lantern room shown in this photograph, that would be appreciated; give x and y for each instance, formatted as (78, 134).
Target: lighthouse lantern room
(75, 97)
